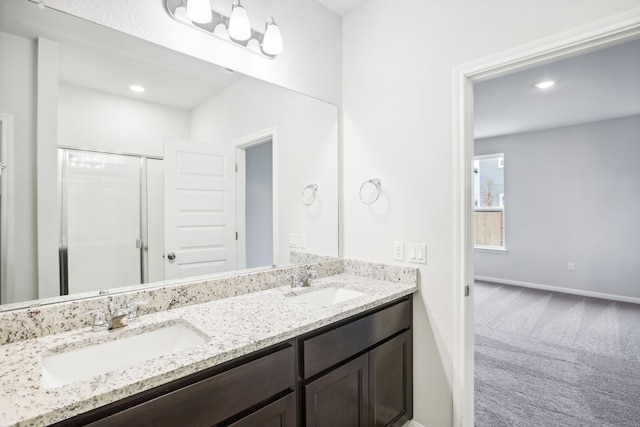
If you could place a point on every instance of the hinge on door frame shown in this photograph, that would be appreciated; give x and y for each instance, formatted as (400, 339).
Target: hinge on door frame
(236, 235)
(236, 167)
(466, 291)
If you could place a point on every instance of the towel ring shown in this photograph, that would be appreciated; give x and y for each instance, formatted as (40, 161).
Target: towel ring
(374, 181)
(312, 189)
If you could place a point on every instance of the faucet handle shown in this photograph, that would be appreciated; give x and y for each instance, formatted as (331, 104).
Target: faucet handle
(295, 280)
(306, 279)
(100, 319)
(132, 308)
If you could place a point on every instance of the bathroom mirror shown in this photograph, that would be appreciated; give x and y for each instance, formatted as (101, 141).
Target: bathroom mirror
(199, 171)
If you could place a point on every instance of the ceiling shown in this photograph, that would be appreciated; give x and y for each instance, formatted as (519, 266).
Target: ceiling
(342, 7)
(598, 85)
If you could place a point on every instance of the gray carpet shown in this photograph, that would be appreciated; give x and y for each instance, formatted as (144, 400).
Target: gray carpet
(553, 360)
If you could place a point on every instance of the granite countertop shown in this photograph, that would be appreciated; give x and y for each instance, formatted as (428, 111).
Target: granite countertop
(236, 326)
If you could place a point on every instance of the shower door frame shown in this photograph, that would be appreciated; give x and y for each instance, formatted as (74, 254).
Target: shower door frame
(6, 200)
(63, 198)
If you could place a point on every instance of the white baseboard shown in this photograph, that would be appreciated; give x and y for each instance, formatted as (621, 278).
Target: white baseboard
(412, 423)
(558, 289)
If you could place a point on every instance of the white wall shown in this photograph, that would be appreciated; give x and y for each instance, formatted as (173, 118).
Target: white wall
(101, 121)
(571, 195)
(397, 83)
(305, 149)
(18, 98)
(310, 63)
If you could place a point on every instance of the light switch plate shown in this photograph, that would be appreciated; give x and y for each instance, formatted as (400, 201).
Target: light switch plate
(417, 253)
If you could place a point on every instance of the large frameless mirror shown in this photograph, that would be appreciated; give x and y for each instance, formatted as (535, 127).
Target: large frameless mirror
(131, 164)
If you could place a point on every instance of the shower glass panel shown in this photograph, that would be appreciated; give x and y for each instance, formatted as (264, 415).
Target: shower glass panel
(101, 196)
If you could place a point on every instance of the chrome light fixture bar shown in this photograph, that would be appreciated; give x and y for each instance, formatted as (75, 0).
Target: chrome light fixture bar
(235, 28)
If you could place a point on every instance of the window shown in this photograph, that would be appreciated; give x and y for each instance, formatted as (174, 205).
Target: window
(488, 201)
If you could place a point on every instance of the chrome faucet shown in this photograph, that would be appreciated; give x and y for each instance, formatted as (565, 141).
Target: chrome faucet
(115, 317)
(302, 280)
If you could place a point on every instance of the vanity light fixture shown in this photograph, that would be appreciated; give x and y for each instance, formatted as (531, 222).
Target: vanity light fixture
(234, 28)
(545, 84)
(136, 88)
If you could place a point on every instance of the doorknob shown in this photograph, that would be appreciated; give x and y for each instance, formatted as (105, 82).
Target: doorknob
(171, 256)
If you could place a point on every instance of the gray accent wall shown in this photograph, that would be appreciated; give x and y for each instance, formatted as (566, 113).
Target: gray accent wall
(259, 205)
(572, 195)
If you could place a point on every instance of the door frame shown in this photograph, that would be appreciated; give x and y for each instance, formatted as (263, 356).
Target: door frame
(240, 146)
(7, 224)
(598, 34)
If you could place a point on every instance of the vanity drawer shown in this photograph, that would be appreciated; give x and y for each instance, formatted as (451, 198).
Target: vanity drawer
(329, 348)
(214, 399)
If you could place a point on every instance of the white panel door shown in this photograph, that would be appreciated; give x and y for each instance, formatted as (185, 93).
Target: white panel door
(199, 209)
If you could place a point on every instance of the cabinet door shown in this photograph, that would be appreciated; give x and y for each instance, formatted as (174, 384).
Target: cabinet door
(214, 399)
(390, 382)
(340, 397)
(281, 413)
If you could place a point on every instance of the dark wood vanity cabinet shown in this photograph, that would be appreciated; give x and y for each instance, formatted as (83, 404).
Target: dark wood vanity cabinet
(360, 372)
(353, 373)
(253, 387)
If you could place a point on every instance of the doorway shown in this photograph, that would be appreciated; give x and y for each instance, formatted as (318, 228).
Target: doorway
(258, 178)
(255, 199)
(611, 31)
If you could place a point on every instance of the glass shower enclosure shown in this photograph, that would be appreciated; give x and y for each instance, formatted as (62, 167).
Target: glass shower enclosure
(111, 231)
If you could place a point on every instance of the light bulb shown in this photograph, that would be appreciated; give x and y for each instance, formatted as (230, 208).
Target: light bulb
(181, 15)
(545, 84)
(199, 11)
(136, 88)
(272, 41)
(220, 31)
(239, 26)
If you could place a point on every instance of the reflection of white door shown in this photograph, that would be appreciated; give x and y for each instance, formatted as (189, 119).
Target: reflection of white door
(199, 209)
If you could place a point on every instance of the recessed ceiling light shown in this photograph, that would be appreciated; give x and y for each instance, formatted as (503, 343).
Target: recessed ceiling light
(136, 88)
(545, 84)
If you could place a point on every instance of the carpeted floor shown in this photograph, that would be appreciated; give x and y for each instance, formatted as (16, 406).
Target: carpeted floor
(553, 360)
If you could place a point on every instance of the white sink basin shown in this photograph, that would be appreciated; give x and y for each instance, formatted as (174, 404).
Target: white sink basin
(83, 363)
(327, 296)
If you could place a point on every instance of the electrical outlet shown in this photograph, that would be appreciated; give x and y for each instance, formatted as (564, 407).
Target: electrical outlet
(293, 240)
(302, 241)
(398, 251)
(571, 266)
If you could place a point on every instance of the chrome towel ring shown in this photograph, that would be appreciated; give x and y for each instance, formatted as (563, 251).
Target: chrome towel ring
(309, 194)
(375, 182)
